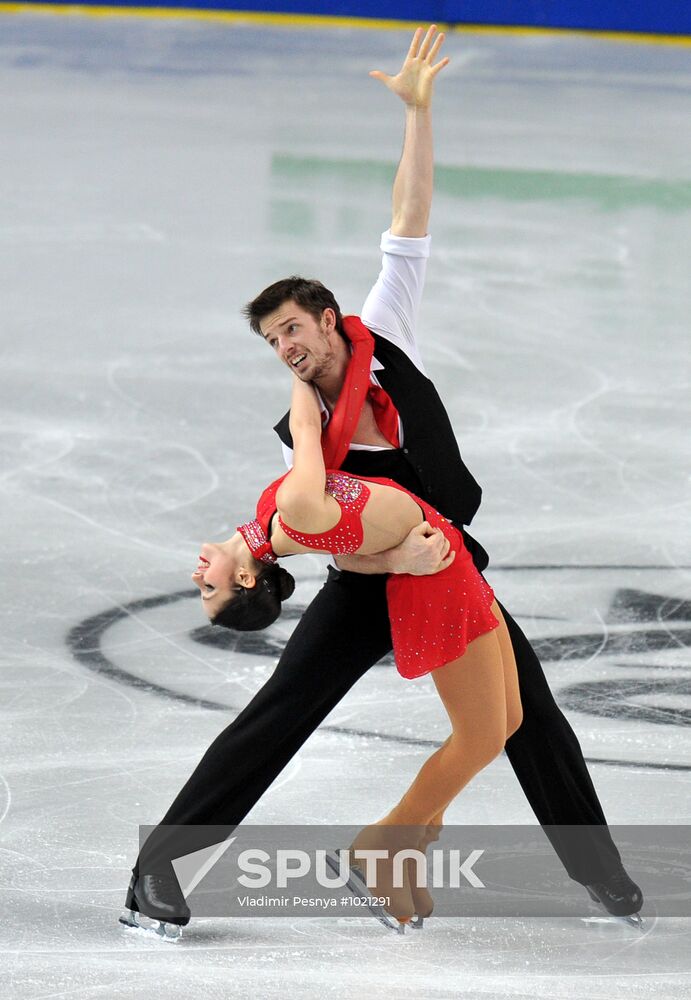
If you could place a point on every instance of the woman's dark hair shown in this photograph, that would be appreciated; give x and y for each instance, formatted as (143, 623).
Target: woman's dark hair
(308, 293)
(257, 607)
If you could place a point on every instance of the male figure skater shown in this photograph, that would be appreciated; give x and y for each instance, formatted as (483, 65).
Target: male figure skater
(402, 432)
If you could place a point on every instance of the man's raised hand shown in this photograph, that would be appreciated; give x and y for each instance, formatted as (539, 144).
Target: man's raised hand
(414, 81)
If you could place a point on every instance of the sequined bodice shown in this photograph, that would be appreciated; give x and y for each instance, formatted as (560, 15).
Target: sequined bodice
(346, 490)
(346, 537)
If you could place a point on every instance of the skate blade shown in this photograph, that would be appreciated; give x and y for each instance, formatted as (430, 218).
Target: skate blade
(633, 921)
(152, 928)
(357, 885)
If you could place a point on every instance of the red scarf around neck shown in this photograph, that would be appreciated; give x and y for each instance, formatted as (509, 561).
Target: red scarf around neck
(357, 387)
(338, 433)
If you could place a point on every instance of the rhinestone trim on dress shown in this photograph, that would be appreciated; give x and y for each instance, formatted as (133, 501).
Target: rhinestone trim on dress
(343, 488)
(257, 542)
(345, 538)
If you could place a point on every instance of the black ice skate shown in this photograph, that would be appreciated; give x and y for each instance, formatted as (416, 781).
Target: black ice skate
(155, 904)
(358, 886)
(620, 897)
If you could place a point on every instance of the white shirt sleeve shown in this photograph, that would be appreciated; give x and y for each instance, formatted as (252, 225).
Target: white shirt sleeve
(391, 308)
(287, 455)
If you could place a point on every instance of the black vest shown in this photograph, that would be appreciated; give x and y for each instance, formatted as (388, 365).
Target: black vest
(430, 463)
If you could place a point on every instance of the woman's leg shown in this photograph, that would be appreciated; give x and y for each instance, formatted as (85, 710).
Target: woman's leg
(514, 709)
(480, 693)
(481, 696)
(474, 692)
(422, 900)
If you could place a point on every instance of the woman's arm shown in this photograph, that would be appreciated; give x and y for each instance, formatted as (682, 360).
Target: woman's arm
(301, 496)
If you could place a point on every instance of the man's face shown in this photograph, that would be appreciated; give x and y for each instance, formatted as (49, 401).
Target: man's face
(306, 345)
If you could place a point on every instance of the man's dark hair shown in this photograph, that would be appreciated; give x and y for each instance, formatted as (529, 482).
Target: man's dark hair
(308, 293)
(257, 607)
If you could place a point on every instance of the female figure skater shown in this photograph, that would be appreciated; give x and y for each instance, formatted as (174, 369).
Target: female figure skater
(448, 624)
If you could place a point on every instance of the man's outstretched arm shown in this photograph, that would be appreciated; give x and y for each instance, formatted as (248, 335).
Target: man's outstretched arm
(414, 84)
(425, 550)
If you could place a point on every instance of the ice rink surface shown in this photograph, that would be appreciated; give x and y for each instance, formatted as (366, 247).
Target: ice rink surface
(154, 176)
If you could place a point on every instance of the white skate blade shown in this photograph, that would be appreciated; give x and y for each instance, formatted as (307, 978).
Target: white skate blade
(633, 921)
(357, 885)
(151, 928)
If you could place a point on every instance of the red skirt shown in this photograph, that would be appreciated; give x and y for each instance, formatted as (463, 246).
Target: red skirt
(433, 618)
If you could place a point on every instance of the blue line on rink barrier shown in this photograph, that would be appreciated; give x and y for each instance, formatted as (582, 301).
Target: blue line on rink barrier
(669, 17)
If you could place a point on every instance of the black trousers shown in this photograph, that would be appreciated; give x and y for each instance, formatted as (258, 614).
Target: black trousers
(344, 631)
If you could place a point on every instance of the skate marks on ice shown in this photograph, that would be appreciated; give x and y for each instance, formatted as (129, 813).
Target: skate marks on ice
(640, 649)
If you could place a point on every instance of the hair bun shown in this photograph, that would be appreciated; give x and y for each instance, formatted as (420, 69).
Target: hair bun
(286, 584)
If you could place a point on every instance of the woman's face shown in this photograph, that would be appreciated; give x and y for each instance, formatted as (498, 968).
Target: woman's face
(215, 577)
